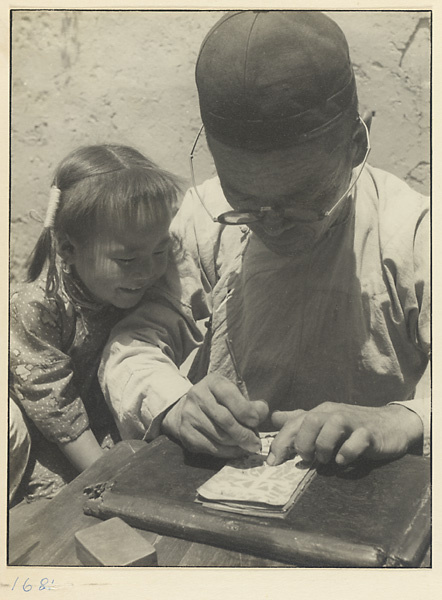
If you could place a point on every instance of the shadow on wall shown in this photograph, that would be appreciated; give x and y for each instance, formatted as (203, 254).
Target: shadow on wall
(85, 77)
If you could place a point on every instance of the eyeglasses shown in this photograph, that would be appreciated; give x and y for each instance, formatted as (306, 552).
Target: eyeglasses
(295, 214)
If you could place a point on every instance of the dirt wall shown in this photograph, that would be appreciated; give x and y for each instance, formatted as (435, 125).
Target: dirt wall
(85, 77)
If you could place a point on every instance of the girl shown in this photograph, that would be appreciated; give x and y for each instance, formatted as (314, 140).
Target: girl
(105, 242)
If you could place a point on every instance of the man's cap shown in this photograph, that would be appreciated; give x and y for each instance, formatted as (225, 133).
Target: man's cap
(273, 79)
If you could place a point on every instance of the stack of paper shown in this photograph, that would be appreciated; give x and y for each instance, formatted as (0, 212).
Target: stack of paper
(250, 486)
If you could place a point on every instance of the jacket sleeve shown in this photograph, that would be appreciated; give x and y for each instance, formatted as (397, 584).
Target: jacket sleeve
(140, 369)
(412, 282)
(42, 375)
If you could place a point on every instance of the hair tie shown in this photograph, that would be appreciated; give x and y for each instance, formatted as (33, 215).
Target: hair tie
(54, 199)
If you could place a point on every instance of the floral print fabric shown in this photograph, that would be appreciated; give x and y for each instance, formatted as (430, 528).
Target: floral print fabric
(55, 349)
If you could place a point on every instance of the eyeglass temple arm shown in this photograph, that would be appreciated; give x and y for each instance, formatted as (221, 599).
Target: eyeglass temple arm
(368, 115)
(200, 130)
(365, 121)
(192, 175)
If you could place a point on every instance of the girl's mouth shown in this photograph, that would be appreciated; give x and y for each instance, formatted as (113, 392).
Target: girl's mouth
(132, 290)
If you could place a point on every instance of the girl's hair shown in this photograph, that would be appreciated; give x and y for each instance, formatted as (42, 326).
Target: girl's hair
(102, 187)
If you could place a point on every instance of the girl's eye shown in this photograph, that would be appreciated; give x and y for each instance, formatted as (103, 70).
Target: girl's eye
(162, 249)
(124, 260)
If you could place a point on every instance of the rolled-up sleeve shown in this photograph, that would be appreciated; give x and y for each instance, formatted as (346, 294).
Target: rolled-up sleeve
(139, 372)
(412, 281)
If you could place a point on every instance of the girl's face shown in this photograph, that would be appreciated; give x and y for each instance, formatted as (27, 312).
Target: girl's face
(118, 268)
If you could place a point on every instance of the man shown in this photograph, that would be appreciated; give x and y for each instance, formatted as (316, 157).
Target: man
(312, 266)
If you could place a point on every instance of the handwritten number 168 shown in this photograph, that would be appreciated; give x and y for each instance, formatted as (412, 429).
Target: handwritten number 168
(27, 587)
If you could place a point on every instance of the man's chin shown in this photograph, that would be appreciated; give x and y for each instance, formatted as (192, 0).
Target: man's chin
(295, 242)
(292, 248)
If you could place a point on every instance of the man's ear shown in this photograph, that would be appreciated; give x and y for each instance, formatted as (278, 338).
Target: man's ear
(360, 138)
(65, 248)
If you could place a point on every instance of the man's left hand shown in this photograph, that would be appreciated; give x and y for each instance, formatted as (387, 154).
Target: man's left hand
(345, 432)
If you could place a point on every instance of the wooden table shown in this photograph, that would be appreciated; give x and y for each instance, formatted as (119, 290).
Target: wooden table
(42, 533)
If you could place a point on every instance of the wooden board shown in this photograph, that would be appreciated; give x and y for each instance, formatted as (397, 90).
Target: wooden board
(42, 533)
(370, 515)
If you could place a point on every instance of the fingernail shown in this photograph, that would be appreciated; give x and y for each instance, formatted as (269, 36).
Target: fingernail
(252, 447)
(340, 460)
(254, 420)
(256, 446)
(271, 459)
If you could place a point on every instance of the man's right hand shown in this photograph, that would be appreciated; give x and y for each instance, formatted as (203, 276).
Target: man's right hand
(215, 418)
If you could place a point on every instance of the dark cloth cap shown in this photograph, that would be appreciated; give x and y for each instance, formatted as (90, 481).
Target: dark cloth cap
(272, 79)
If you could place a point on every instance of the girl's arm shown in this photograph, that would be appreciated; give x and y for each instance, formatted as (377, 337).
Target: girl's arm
(41, 372)
(83, 451)
(139, 372)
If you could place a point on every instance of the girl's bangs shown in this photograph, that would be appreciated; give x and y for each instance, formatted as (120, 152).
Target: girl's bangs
(121, 199)
(134, 198)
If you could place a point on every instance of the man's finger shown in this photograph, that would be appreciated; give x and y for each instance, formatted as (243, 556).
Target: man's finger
(198, 420)
(240, 435)
(280, 417)
(359, 441)
(198, 443)
(283, 445)
(305, 442)
(329, 439)
(228, 395)
(262, 408)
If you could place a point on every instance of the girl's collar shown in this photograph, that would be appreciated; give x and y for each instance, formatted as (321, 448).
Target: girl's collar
(77, 292)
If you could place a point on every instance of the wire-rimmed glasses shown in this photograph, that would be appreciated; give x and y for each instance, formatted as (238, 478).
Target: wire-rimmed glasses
(295, 214)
